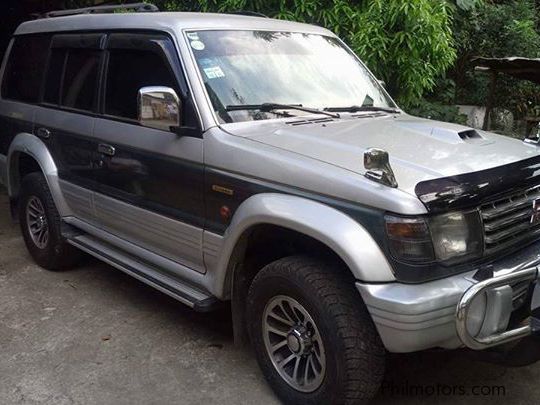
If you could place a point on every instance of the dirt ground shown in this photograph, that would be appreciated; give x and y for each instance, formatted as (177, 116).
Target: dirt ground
(96, 336)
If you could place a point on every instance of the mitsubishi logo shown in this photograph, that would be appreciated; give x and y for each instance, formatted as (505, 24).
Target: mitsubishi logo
(535, 216)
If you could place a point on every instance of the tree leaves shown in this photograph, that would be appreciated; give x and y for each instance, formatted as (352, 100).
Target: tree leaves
(497, 30)
(407, 44)
(467, 5)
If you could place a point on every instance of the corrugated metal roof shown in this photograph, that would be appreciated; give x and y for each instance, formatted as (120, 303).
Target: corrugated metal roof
(521, 68)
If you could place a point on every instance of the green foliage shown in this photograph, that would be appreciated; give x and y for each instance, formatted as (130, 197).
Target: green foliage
(437, 111)
(439, 106)
(508, 28)
(407, 44)
(468, 5)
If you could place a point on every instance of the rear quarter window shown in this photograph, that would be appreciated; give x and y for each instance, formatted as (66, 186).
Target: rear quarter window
(25, 68)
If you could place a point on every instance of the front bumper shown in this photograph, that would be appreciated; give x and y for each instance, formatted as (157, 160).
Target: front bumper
(456, 311)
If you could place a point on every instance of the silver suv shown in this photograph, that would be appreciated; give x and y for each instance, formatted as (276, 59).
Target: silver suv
(244, 159)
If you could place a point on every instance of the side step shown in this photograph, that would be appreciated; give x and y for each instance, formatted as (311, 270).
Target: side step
(191, 296)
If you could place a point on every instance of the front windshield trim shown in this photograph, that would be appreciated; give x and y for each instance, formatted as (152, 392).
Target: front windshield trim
(315, 31)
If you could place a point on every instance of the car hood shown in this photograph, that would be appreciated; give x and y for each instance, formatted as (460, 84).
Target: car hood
(419, 149)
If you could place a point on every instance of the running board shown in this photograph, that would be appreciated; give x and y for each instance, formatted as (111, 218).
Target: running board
(191, 296)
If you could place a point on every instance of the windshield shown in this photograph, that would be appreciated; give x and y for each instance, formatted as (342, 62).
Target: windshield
(252, 68)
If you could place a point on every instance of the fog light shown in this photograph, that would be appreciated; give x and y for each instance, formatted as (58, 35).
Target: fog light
(498, 310)
(476, 314)
(490, 312)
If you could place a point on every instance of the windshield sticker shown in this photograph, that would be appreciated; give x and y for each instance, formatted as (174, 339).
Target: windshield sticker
(193, 36)
(214, 72)
(197, 45)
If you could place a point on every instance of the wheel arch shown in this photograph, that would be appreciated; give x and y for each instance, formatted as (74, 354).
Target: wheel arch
(322, 229)
(28, 153)
(338, 232)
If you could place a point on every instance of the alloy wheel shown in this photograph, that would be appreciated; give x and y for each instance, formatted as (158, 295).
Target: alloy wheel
(293, 343)
(36, 221)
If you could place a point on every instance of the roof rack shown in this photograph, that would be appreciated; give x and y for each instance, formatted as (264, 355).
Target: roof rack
(137, 7)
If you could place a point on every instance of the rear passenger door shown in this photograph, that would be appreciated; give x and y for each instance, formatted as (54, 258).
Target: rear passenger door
(22, 78)
(66, 116)
(150, 188)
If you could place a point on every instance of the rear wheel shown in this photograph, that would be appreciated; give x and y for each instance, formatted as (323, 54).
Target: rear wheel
(314, 339)
(40, 226)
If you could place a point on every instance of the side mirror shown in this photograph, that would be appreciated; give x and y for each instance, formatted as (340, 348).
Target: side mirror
(159, 108)
(377, 163)
(382, 83)
(376, 159)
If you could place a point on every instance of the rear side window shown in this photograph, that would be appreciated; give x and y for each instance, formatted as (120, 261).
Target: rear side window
(80, 79)
(72, 78)
(128, 72)
(25, 68)
(55, 72)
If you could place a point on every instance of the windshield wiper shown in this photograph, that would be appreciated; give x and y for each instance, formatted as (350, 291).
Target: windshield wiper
(269, 107)
(358, 108)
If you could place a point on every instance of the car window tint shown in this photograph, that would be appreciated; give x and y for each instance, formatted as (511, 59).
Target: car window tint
(80, 79)
(128, 72)
(25, 68)
(54, 76)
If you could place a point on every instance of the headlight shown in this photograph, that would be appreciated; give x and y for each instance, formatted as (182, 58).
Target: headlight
(457, 235)
(447, 238)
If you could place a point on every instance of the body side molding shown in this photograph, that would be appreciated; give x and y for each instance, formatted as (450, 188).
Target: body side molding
(346, 237)
(34, 147)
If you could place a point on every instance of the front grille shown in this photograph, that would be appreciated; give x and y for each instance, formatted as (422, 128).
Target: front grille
(507, 221)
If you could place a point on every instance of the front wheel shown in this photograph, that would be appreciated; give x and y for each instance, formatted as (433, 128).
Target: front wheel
(314, 339)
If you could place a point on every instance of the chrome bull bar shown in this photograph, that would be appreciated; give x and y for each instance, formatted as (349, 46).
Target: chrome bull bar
(463, 307)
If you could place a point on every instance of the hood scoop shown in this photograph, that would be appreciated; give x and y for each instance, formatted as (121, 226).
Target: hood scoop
(456, 136)
(470, 135)
(447, 133)
(452, 136)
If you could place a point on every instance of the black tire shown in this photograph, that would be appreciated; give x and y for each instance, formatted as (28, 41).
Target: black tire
(56, 254)
(355, 356)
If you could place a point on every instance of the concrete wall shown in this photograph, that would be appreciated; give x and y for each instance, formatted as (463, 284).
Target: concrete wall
(475, 114)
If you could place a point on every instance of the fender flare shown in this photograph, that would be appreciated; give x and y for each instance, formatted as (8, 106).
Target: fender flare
(33, 146)
(342, 234)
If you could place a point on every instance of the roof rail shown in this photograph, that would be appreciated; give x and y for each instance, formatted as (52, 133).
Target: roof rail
(249, 13)
(137, 7)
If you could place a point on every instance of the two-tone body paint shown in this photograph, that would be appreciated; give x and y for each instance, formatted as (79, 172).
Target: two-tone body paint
(152, 175)
(163, 193)
(155, 182)
(16, 120)
(134, 177)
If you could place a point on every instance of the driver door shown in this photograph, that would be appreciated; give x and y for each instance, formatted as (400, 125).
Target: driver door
(150, 182)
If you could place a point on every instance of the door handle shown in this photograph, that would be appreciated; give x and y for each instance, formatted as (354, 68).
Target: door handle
(43, 133)
(106, 149)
